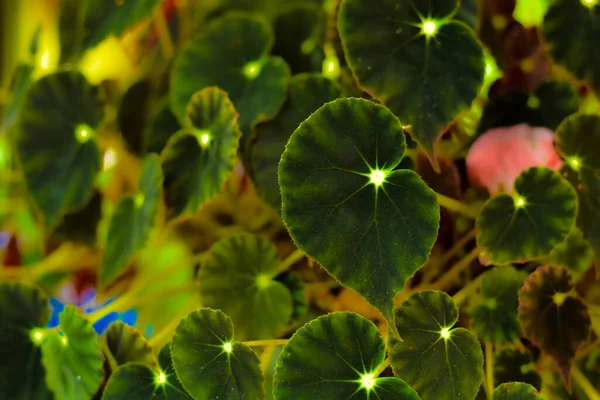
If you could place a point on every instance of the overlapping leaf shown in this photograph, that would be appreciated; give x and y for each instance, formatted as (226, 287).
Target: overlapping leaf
(344, 204)
(333, 357)
(515, 365)
(575, 253)
(122, 344)
(516, 391)
(166, 367)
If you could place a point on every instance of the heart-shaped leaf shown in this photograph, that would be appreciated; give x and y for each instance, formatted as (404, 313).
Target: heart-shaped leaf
(197, 159)
(306, 94)
(210, 364)
(494, 318)
(56, 145)
(437, 361)
(344, 204)
(515, 365)
(132, 221)
(24, 311)
(575, 253)
(237, 277)
(412, 56)
(233, 54)
(531, 222)
(73, 359)
(336, 356)
(553, 317)
(570, 29)
(516, 391)
(122, 344)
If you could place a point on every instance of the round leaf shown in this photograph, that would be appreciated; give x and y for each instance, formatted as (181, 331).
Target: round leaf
(437, 361)
(336, 356)
(138, 381)
(571, 30)
(197, 160)
(233, 54)
(530, 223)
(56, 145)
(370, 226)
(132, 221)
(24, 311)
(495, 317)
(516, 391)
(209, 364)
(426, 67)
(123, 344)
(237, 278)
(73, 360)
(551, 317)
(515, 365)
(306, 94)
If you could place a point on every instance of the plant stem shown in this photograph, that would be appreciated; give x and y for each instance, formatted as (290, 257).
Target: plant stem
(164, 36)
(457, 206)
(584, 383)
(462, 242)
(489, 367)
(386, 363)
(266, 342)
(454, 272)
(467, 290)
(289, 261)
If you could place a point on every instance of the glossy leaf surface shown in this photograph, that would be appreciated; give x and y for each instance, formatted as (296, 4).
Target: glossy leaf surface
(138, 381)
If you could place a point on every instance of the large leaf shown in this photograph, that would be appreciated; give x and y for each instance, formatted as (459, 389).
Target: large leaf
(571, 30)
(437, 361)
(132, 221)
(233, 54)
(73, 359)
(210, 364)
(24, 311)
(197, 159)
(370, 226)
(336, 356)
(56, 145)
(123, 344)
(516, 391)
(531, 222)
(237, 278)
(552, 317)
(412, 56)
(306, 94)
(495, 317)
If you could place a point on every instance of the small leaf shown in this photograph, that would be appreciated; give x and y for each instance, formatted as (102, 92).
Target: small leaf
(495, 317)
(138, 381)
(413, 57)
(369, 225)
(123, 344)
(552, 317)
(437, 361)
(515, 365)
(570, 30)
(336, 356)
(132, 221)
(24, 312)
(237, 278)
(531, 222)
(575, 253)
(198, 159)
(73, 359)
(306, 94)
(516, 391)
(56, 144)
(210, 364)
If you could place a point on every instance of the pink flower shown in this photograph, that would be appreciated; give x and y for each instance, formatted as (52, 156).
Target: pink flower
(498, 156)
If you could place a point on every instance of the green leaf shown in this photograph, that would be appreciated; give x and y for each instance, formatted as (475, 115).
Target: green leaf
(163, 126)
(370, 226)
(515, 365)
(55, 143)
(336, 356)
(166, 367)
(208, 362)
(575, 253)
(24, 311)
(237, 278)
(437, 361)
(495, 317)
(197, 159)
(73, 359)
(530, 223)
(82, 225)
(425, 79)
(138, 381)
(233, 54)
(122, 344)
(530, 12)
(306, 94)
(553, 318)
(132, 221)
(22, 78)
(570, 29)
(516, 391)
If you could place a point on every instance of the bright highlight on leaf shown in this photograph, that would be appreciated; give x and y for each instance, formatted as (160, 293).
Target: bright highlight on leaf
(204, 139)
(445, 333)
(575, 163)
(227, 347)
(589, 3)
(64, 340)
(367, 381)
(377, 177)
(37, 335)
(430, 28)
(161, 378)
(83, 133)
(519, 202)
(139, 200)
(45, 59)
(251, 70)
(110, 159)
